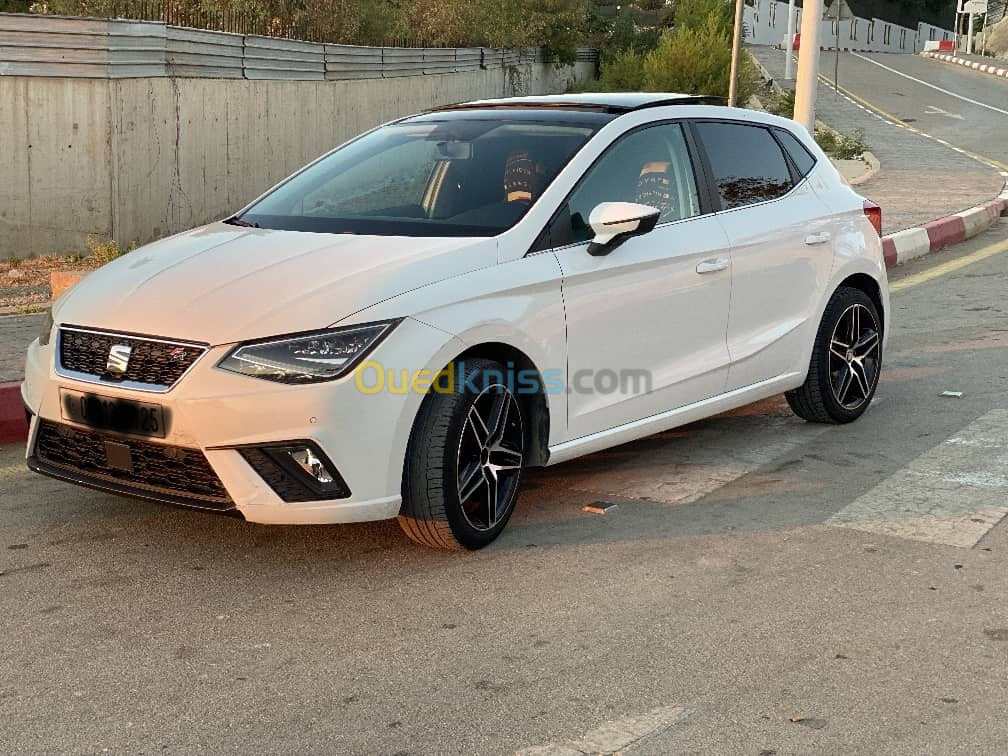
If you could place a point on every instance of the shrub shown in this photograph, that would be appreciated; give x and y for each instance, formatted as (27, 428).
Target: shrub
(623, 73)
(841, 146)
(698, 61)
(105, 252)
(780, 103)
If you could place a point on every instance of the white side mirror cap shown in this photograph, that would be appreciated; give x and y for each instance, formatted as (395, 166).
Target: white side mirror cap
(616, 221)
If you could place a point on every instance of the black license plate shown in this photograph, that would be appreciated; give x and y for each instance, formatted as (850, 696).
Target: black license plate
(108, 413)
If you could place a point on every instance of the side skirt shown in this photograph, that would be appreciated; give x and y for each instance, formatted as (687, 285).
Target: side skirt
(673, 418)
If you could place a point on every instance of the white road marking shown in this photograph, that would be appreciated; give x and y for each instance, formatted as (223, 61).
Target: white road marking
(612, 737)
(932, 110)
(932, 86)
(680, 472)
(952, 494)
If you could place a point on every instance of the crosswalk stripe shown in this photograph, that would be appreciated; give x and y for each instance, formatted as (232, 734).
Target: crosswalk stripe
(618, 736)
(952, 494)
(681, 473)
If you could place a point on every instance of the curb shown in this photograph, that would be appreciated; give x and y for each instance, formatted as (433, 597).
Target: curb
(874, 166)
(973, 64)
(938, 234)
(13, 427)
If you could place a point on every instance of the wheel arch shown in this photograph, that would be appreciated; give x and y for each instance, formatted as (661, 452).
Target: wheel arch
(867, 284)
(534, 404)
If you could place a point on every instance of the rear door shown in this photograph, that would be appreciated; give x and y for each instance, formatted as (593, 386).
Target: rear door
(781, 248)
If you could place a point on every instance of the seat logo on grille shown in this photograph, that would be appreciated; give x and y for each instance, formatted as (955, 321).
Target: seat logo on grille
(118, 358)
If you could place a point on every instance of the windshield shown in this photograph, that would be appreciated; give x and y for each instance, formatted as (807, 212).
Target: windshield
(428, 178)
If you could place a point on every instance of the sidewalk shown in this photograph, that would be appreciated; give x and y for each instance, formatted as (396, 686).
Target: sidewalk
(920, 179)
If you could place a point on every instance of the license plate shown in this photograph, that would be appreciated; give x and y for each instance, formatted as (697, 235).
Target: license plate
(109, 413)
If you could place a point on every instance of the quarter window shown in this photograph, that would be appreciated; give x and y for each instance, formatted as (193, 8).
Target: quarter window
(747, 163)
(798, 152)
(650, 166)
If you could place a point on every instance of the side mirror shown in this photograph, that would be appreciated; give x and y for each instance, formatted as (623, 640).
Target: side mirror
(615, 222)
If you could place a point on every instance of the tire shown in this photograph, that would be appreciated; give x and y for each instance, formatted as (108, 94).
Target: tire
(460, 441)
(846, 361)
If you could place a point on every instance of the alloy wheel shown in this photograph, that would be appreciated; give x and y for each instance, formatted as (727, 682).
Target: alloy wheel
(490, 457)
(855, 348)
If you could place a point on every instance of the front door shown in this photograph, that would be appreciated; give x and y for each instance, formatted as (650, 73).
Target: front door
(646, 324)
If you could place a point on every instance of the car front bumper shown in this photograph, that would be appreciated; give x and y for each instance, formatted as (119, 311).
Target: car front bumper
(214, 413)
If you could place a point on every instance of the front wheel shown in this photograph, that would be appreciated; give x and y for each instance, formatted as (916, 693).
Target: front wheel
(465, 460)
(846, 361)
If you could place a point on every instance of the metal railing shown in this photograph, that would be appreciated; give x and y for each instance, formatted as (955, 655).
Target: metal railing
(33, 45)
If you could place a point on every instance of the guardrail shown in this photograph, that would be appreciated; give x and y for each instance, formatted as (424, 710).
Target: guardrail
(33, 45)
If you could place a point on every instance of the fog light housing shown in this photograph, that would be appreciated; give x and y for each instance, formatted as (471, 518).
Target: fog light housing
(296, 470)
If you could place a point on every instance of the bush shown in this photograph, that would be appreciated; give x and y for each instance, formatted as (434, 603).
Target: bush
(106, 252)
(780, 103)
(841, 146)
(694, 14)
(623, 73)
(698, 61)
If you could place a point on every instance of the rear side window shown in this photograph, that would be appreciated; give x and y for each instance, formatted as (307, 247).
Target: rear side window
(803, 160)
(747, 162)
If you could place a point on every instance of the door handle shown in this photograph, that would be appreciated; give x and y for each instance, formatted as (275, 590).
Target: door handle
(818, 238)
(712, 266)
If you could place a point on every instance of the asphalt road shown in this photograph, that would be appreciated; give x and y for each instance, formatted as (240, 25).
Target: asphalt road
(757, 570)
(964, 107)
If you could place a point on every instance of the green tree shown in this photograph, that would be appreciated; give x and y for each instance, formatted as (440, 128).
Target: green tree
(692, 14)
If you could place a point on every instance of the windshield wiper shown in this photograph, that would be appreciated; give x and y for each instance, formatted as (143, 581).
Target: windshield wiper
(236, 221)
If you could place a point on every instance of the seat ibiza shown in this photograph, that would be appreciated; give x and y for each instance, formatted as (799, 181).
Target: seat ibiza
(406, 325)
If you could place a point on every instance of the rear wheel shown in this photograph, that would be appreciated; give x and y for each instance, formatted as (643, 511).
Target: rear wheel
(846, 361)
(464, 463)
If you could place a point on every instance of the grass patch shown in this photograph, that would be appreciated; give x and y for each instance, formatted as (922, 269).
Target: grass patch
(30, 309)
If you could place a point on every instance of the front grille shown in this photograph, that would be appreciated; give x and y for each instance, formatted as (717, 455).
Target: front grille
(171, 474)
(153, 363)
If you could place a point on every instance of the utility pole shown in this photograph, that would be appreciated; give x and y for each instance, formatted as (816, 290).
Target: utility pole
(808, 64)
(789, 42)
(736, 54)
(969, 35)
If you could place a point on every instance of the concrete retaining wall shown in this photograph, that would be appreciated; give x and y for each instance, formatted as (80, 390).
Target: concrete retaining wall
(134, 159)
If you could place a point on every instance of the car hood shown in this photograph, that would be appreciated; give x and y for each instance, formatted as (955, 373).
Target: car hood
(221, 284)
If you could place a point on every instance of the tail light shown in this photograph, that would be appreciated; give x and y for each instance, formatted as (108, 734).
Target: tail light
(874, 214)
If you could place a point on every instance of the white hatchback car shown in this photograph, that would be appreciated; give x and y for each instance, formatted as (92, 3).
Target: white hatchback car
(405, 325)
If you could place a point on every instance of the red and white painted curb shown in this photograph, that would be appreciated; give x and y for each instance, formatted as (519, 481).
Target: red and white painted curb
(13, 427)
(944, 232)
(975, 65)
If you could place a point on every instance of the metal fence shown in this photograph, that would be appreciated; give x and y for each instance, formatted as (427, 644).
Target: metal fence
(32, 45)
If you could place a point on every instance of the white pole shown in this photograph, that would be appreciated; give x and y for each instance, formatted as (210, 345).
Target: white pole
(736, 54)
(969, 36)
(808, 64)
(789, 42)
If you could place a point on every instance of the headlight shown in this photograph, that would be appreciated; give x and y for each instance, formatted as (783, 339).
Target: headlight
(45, 331)
(307, 358)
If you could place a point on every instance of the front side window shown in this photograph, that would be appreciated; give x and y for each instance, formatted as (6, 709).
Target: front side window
(650, 166)
(431, 178)
(747, 163)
